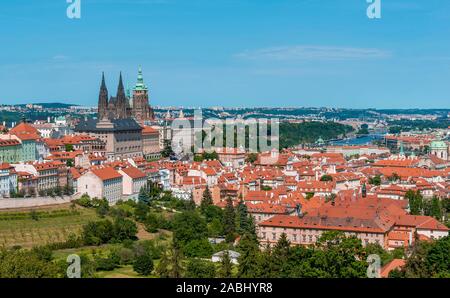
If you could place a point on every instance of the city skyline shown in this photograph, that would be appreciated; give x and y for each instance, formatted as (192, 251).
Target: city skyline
(229, 53)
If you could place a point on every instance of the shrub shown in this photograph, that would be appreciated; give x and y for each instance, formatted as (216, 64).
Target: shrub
(143, 264)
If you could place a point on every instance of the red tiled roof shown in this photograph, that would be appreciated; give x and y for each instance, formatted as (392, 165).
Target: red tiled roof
(420, 222)
(149, 130)
(25, 131)
(348, 222)
(106, 173)
(134, 173)
(395, 163)
(266, 208)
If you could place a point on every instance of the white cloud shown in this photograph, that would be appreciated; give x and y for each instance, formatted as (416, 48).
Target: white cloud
(311, 52)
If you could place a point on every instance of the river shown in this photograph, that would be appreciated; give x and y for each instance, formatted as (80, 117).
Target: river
(364, 140)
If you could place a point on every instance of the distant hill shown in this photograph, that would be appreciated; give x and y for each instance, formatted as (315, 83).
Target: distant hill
(52, 105)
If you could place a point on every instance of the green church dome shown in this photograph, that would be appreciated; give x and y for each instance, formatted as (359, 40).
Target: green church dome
(438, 145)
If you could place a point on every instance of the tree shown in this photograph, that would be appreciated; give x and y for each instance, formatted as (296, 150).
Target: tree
(152, 223)
(394, 177)
(435, 208)
(226, 267)
(141, 210)
(280, 255)
(124, 229)
(376, 180)
(176, 263)
(215, 228)
(143, 196)
(428, 259)
(101, 206)
(265, 263)
(69, 147)
(249, 250)
(245, 222)
(111, 262)
(206, 199)
(167, 151)
(326, 178)
(197, 268)
(189, 205)
(415, 202)
(153, 190)
(251, 157)
(188, 226)
(18, 263)
(143, 264)
(163, 266)
(198, 248)
(213, 212)
(339, 256)
(96, 233)
(229, 221)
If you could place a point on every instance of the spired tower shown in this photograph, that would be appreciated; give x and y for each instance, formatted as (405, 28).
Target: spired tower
(141, 110)
(122, 106)
(103, 100)
(121, 100)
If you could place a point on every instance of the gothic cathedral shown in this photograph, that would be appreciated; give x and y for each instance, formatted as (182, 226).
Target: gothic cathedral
(123, 106)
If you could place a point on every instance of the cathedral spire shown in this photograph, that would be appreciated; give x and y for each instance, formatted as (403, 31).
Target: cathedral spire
(120, 88)
(121, 100)
(103, 86)
(103, 99)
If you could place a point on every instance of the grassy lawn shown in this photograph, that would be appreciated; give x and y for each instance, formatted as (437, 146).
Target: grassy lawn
(28, 232)
(122, 272)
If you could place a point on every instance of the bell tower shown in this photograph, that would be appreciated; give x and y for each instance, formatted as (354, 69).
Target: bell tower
(141, 107)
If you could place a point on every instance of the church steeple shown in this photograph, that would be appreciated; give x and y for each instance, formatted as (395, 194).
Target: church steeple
(121, 100)
(120, 87)
(103, 99)
(103, 86)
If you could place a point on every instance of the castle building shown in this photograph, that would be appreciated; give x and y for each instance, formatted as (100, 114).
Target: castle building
(120, 120)
(122, 106)
(123, 137)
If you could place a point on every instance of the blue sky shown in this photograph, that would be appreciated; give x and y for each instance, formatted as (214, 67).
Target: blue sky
(230, 52)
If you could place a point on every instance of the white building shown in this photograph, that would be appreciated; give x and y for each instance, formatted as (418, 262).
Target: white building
(133, 180)
(8, 180)
(233, 255)
(101, 183)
